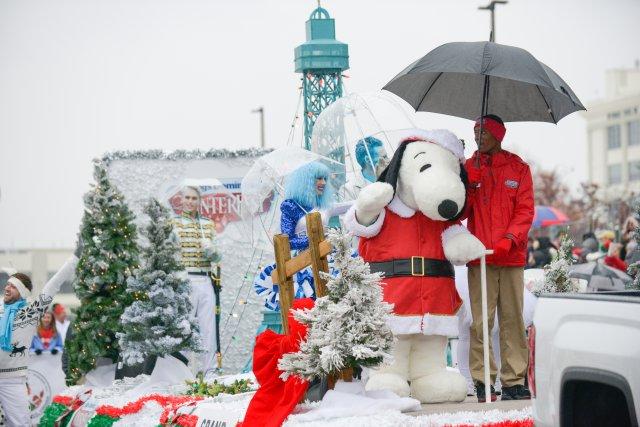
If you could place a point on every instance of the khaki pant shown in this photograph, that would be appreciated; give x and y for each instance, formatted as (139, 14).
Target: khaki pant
(505, 288)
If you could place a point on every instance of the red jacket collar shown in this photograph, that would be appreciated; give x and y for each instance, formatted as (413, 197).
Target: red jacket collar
(500, 158)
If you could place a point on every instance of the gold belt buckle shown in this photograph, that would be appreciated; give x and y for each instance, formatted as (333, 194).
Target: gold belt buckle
(413, 273)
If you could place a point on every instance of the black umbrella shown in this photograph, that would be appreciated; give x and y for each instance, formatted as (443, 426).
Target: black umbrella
(472, 79)
(469, 79)
(600, 277)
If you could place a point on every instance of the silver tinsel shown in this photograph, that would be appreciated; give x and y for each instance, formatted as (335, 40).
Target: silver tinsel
(183, 154)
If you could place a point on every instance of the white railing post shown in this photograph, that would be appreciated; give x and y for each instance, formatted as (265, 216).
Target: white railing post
(485, 326)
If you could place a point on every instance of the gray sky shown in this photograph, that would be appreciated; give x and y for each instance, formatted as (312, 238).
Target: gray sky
(78, 78)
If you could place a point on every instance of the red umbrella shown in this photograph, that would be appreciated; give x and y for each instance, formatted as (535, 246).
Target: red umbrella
(547, 215)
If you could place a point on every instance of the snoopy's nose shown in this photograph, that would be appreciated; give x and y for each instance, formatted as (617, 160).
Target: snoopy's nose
(448, 209)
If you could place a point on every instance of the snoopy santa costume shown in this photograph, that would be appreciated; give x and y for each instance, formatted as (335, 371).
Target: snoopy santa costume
(409, 230)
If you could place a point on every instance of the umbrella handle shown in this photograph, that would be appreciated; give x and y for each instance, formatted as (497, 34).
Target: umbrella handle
(483, 112)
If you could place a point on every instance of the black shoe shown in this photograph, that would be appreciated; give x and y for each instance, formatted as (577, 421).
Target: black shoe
(515, 392)
(480, 392)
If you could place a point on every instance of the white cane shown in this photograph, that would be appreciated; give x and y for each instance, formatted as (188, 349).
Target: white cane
(485, 326)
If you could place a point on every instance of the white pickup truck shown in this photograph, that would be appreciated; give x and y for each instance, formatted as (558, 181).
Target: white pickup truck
(584, 359)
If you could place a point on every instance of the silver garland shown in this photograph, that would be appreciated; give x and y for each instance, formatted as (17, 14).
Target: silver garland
(197, 154)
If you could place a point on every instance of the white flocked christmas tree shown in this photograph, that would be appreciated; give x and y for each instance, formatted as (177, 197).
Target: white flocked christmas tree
(347, 327)
(556, 274)
(159, 322)
(634, 268)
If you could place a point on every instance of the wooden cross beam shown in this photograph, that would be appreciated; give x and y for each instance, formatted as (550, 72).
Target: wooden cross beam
(287, 267)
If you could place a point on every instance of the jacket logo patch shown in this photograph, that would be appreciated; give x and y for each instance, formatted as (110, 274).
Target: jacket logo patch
(511, 183)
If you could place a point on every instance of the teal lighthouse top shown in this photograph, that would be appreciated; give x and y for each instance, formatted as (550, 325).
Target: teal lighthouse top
(321, 60)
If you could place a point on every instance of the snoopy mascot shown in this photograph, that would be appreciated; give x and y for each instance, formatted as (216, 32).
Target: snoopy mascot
(409, 229)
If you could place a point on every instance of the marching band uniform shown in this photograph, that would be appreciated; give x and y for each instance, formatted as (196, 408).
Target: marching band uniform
(198, 251)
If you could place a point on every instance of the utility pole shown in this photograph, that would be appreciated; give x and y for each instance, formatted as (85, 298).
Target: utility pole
(261, 111)
(492, 8)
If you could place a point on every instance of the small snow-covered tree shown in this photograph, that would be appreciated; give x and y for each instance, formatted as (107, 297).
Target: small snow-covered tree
(348, 326)
(556, 274)
(634, 268)
(159, 322)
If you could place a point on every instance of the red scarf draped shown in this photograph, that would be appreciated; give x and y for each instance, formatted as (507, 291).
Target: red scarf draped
(275, 399)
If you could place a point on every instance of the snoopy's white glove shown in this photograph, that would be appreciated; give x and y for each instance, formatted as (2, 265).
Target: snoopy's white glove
(371, 201)
(462, 248)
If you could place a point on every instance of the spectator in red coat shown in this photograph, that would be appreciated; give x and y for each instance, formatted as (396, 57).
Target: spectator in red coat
(500, 214)
(613, 258)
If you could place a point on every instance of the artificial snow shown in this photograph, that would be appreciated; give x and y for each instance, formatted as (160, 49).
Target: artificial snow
(350, 399)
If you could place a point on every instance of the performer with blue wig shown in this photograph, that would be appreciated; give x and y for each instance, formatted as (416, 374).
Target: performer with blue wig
(372, 159)
(307, 190)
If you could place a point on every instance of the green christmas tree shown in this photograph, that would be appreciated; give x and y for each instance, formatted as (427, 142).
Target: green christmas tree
(109, 256)
(160, 321)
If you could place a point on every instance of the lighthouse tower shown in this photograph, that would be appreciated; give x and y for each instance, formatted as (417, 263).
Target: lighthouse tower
(321, 60)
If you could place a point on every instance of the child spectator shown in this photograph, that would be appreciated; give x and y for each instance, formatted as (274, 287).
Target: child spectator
(47, 337)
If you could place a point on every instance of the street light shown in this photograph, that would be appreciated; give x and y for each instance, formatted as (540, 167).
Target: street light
(261, 111)
(491, 7)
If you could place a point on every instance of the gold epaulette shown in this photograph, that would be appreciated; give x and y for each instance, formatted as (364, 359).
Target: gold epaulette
(192, 234)
(194, 254)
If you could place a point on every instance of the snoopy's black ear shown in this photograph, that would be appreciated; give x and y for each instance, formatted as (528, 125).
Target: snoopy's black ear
(463, 176)
(465, 180)
(391, 172)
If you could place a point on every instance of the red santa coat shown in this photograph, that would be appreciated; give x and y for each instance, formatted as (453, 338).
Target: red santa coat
(426, 305)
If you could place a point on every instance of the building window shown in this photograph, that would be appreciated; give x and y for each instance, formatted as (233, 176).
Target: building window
(634, 171)
(633, 129)
(613, 137)
(615, 174)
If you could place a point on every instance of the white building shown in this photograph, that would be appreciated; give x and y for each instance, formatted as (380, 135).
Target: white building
(613, 127)
(40, 265)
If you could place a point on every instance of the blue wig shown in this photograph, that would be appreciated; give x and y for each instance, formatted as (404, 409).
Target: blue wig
(300, 186)
(366, 153)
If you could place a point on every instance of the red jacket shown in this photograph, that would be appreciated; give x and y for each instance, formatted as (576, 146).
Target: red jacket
(502, 206)
(615, 262)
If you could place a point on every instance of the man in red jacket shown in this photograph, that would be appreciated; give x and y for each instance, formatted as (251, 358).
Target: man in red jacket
(500, 213)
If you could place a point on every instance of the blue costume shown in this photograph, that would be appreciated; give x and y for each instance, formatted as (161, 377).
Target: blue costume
(301, 197)
(292, 212)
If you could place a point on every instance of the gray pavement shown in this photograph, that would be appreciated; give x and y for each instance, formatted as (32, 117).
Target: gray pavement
(470, 404)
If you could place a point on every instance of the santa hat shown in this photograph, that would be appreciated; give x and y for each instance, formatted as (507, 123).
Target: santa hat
(442, 137)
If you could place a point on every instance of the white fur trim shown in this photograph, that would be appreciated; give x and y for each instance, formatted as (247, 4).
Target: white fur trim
(22, 289)
(452, 232)
(397, 206)
(360, 230)
(442, 137)
(427, 324)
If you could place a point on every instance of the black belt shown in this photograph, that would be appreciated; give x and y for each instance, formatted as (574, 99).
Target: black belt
(414, 266)
(199, 273)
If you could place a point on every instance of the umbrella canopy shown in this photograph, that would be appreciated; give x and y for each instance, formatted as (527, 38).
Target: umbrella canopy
(268, 174)
(600, 277)
(454, 79)
(351, 119)
(263, 190)
(546, 216)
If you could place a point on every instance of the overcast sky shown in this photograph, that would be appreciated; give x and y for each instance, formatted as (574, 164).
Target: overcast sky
(79, 78)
